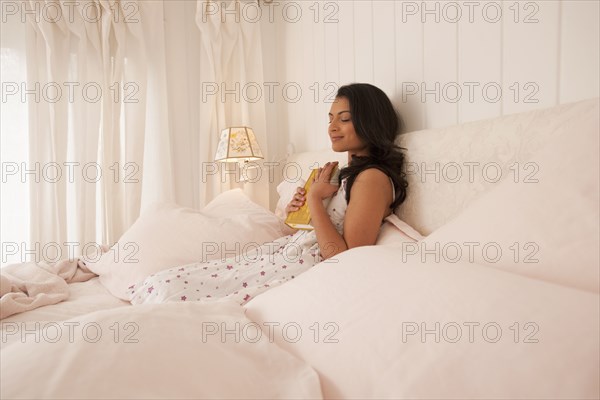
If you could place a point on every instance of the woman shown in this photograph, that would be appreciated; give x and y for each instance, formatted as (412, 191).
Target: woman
(363, 122)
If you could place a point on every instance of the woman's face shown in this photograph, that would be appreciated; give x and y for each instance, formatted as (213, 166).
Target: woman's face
(341, 130)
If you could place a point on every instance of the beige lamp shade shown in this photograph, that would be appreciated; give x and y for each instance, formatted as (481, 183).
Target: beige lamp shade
(238, 144)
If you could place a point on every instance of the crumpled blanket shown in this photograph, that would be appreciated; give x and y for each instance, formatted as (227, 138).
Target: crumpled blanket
(30, 285)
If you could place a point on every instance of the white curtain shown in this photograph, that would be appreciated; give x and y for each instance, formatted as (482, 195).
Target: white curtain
(102, 120)
(113, 130)
(230, 73)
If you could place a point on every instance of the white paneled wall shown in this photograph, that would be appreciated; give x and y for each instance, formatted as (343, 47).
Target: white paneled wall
(441, 62)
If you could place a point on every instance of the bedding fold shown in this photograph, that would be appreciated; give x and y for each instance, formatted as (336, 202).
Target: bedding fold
(30, 285)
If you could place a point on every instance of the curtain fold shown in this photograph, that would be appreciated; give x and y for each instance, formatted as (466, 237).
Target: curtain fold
(107, 134)
(231, 63)
(113, 132)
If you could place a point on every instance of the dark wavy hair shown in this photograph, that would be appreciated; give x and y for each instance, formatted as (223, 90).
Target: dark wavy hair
(377, 124)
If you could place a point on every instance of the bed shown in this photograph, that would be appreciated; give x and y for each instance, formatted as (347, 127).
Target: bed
(485, 284)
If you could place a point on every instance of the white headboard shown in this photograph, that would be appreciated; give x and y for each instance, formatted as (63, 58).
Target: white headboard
(449, 167)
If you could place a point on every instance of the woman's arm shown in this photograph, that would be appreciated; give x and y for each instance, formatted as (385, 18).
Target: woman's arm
(369, 201)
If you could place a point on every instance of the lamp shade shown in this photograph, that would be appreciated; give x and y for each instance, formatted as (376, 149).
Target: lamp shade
(236, 144)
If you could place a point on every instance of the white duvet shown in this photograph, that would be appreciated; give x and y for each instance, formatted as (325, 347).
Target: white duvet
(162, 351)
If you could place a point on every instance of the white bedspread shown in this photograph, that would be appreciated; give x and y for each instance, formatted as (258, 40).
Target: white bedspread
(162, 351)
(30, 285)
(84, 297)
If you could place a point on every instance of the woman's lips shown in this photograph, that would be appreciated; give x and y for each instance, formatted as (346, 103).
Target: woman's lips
(336, 138)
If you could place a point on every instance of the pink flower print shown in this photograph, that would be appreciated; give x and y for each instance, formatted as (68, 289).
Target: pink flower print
(150, 289)
(262, 273)
(204, 267)
(185, 282)
(131, 287)
(247, 297)
(284, 266)
(301, 261)
(208, 295)
(181, 269)
(244, 284)
(214, 275)
(168, 281)
(230, 267)
(183, 298)
(179, 276)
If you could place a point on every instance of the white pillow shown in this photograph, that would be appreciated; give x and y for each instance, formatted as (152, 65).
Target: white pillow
(168, 235)
(547, 229)
(448, 168)
(354, 322)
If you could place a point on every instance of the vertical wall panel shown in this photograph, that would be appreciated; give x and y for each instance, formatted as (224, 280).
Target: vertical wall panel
(330, 18)
(363, 40)
(530, 55)
(409, 65)
(315, 89)
(540, 52)
(579, 50)
(479, 64)
(270, 32)
(346, 41)
(296, 70)
(440, 66)
(384, 46)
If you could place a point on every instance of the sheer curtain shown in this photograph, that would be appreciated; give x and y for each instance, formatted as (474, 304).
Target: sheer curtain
(99, 130)
(14, 147)
(232, 92)
(116, 122)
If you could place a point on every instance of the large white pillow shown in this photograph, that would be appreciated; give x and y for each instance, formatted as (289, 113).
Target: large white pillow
(545, 229)
(448, 168)
(354, 322)
(168, 235)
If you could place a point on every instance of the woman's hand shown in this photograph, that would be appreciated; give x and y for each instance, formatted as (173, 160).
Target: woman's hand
(321, 188)
(297, 200)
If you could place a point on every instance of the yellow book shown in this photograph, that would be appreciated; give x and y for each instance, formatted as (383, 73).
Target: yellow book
(300, 219)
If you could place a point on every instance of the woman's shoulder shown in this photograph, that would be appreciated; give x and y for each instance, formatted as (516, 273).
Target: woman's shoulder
(373, 174)
(371, 180)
